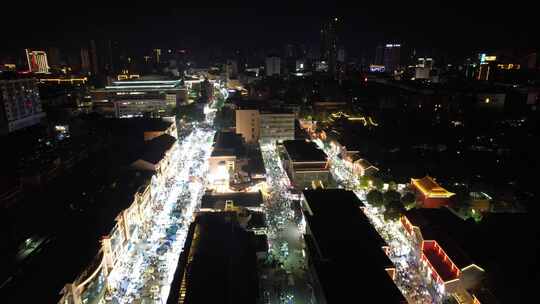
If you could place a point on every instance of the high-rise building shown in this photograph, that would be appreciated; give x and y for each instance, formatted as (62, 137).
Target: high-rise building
(248, 124)
(277, 125)
(20, 105)
(37, 61)
(423, 68)
(289, 51)
(232, 68)
(53, 57)
(157, 55)
(104, 58)
(273, 65)
(329, 44)
(94, 57)
(379, 55)
(85, 60)
(341, 55)
(392, 56)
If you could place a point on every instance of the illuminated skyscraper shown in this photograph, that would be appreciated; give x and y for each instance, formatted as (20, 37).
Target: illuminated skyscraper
(329, 44)
(37, 61)
(85, 60)
(392, 56)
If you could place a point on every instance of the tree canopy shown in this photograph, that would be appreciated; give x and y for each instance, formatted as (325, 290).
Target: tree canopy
(377, 183)
(391, 196)
(408, 200)
(375, 198)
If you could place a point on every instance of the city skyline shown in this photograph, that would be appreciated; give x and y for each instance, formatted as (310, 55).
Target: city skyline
(428, 25)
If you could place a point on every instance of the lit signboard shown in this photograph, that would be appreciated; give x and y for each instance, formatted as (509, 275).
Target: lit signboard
(484, 58)
(376, 68)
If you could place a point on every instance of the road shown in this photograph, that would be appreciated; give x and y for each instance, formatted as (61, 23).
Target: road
(286, 279)
(145, 271)
(409, 278)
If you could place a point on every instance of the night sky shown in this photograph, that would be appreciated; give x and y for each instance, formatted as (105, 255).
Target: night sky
(270, 24)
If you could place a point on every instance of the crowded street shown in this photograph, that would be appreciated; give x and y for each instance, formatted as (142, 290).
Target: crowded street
(402, 253)
(146, 268)
(287, 279)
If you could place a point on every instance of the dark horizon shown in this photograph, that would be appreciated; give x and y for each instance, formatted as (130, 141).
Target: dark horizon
(460, 30)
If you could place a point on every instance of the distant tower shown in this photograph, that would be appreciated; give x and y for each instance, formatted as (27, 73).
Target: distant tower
(379, 55)
(85, 60)
(157, 55)
(329, 44)
(392, 56)
(273, 65)
(94, 57)
(53, 57)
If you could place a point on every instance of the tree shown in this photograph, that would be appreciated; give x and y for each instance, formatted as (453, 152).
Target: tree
(391, 196)
(392, 186)
(377, 183)
(393, 211)
(375, 198)
(408, 200)
(363, 181)
(462, 199)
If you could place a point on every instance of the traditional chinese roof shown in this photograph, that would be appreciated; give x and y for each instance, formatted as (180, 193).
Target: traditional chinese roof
(430, 188)
(364, 164)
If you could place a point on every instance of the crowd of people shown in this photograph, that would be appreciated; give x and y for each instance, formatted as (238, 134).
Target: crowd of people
(146, 268)
(402, 253)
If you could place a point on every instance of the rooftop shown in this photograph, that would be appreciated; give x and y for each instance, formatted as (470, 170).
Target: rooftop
(430, 188)
(304, 151)
(228, 144)
(156, 148)
(441, 262)
(343, 244)
(240, 199)
(433, 224)
(223, 268)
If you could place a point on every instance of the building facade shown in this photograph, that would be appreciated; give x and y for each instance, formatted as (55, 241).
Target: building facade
(135, 98)
(273, 66)
(248, 125)
(277, 126)
(392, 56)
(423, 68)
(20, 104)
(329, 44)
(305, 164)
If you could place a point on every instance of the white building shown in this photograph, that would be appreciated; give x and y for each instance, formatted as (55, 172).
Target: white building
(248, 125)
(254, 125)
(273, 65)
